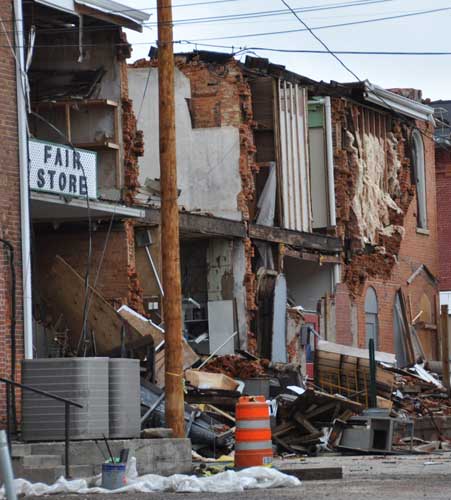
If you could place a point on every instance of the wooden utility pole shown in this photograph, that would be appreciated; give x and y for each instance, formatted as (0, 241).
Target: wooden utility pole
(172, 311)
(445, 347)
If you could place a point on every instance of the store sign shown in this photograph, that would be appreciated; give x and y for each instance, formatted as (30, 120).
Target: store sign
(59, 169)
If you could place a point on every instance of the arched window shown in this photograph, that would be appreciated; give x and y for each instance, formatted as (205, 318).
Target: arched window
(420, 179)
(371, 319)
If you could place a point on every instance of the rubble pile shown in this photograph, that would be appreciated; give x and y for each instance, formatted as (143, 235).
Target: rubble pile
(238, 367)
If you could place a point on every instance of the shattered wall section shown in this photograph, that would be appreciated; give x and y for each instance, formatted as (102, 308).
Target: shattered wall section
(221, 97)
(373, 189)
(133, 139)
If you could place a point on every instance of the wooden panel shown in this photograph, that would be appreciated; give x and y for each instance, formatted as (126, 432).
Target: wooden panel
(262, 102)
(64, 293)
(295, 238)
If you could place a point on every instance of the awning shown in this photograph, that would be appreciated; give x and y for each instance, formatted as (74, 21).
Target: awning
(398, 103)
(50, 207)
(106, 10)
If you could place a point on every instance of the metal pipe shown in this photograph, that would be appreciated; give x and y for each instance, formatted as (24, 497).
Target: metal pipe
(217, 350)
(6, 468)
(154, 270)
(67, 438)
(8, 413)
(330, 161)
(373, 389)
(330, 176)
(24, 181)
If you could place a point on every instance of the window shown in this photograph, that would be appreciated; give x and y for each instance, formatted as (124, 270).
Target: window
(420, 179)
(371, 320)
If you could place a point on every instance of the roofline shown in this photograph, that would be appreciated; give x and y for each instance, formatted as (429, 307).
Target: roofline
(395, 102)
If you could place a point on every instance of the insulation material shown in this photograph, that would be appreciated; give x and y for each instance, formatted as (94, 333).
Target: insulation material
(372, 201)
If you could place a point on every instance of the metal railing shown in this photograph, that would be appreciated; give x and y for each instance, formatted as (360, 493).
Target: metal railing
(10, 385)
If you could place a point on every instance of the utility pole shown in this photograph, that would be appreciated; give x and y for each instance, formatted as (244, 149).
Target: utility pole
(172, 302)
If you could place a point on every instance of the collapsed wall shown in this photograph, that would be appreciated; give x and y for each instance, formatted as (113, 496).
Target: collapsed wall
(373, 188)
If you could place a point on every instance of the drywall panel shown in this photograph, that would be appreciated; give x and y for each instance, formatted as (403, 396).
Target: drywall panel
(279, 335)
(221, 326)
(207, 158)
(308, 282)
(318, 178)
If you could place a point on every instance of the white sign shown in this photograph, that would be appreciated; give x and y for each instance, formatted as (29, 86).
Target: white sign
(55, 168)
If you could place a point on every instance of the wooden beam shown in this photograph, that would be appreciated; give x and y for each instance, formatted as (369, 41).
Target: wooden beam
(295, 238)
(202, 224)
(312, 257)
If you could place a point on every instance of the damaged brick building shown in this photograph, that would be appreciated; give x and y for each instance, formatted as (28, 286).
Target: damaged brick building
(11, 318)
(302, 203)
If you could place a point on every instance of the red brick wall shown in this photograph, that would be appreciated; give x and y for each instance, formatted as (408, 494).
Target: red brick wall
(9, 204)
(416, 249)
(443, 179)
(117, 279)
(387, 276)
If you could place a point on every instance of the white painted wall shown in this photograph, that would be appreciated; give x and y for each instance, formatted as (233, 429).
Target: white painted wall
(307, 281)
(207, 158)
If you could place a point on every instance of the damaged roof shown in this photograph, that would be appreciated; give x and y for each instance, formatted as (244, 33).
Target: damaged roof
(114, 12)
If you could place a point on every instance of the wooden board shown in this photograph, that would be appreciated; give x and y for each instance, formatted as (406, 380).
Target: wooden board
(141, 324)
(64, 293)
(189, 358)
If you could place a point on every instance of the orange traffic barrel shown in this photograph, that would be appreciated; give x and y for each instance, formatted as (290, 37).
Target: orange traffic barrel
(253, 444)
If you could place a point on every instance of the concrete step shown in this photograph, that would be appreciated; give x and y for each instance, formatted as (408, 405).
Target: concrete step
(49, 475)
(41, 461)
(19, 450)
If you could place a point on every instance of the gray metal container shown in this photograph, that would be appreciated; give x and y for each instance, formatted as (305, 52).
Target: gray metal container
(82, 380)
(125, 399)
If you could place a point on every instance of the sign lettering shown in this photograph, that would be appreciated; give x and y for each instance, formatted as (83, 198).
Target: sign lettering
(60, 169)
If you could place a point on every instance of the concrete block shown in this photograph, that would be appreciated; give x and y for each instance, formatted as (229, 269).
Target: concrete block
(19, 450)
(49, 475)
(42, 461)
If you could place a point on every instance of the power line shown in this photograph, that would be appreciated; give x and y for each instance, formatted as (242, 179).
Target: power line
(229, 17)
(319, 40)
(347, 68)
(327, 26)
(272, 13)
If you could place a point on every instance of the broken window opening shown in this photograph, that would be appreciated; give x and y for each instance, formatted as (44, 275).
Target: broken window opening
(420, 178)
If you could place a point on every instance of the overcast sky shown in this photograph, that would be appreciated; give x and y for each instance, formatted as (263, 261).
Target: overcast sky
(427, 32)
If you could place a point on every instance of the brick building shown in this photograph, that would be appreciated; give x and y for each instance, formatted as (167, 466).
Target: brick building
(316, 196)
(10, 228)
(443, 173)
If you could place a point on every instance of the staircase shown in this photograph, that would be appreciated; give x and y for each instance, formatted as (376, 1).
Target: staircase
(44, 463)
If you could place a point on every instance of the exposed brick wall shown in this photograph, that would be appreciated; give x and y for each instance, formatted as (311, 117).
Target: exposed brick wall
(403, 253)
(9, 206)
(443, 179)
(220, 97)
(118, 281)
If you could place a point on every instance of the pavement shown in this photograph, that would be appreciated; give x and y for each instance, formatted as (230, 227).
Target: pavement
(364, 477)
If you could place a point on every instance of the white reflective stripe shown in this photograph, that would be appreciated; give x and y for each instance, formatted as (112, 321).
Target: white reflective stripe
(252, 424)
(253, 445)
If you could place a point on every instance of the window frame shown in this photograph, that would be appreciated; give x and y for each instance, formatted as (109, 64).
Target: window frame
(419, 174)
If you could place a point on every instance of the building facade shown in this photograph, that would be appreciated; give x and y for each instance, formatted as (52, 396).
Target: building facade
(316, 198)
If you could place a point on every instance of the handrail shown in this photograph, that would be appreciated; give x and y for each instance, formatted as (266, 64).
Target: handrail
(43, 393)
(67, 404)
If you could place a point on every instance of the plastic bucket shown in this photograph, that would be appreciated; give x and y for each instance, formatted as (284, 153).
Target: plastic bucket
(113, 476)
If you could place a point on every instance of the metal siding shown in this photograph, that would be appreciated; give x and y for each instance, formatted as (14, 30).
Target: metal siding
(294, 157)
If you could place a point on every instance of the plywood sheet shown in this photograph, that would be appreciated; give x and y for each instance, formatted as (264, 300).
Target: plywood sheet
(64, 293)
